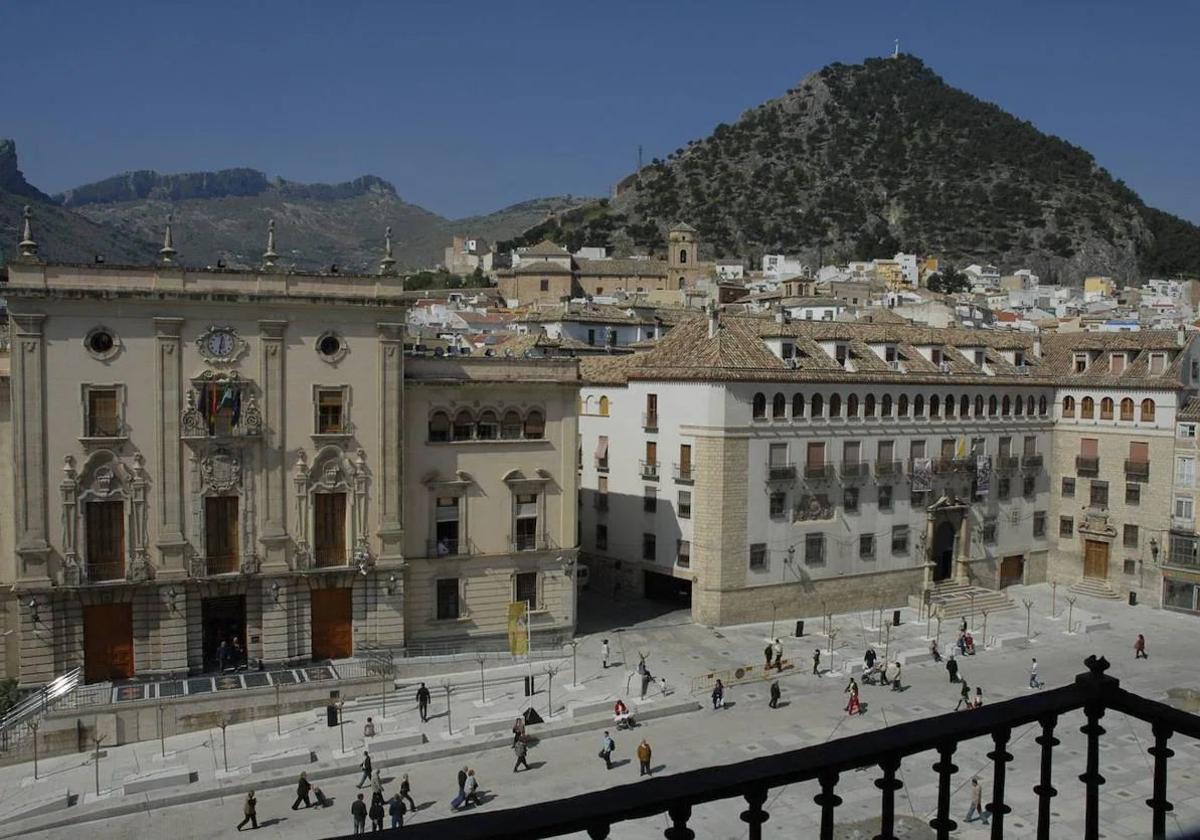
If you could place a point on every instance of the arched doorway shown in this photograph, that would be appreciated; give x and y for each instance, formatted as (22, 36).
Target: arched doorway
(943, 549)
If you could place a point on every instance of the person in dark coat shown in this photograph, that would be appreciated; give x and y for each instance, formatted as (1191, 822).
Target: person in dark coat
(462, 780)
(775, 692)
(396, 811)
(406, 792)
(302, 789)
(520, 749)
(358, 810)
(423, 702)
(768, 653)
(249, 812)
(376, 813)
(952, 668)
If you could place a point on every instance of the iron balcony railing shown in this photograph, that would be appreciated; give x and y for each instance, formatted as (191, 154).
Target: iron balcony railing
(853, 470)
(683, 472)
(531, 542)
(1007, 463)
(818, 472)
(458, 547)
(1032, 462)
(1087, 466)
(650, 421)
(649, 470)
(889, 469)
(601, 465)
(752, 781)
(104, 572)
(781, 472)
(1137, 470)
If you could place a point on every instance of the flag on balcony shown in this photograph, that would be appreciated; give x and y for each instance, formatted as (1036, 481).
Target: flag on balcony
(518, 628)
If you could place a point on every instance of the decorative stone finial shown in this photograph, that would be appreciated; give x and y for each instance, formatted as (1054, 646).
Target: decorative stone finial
(27, 246)
(269, 255)
(167, 251)
(388, 262)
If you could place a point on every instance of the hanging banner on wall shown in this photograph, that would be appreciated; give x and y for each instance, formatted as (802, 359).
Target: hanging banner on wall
(922, 475)
(518, 628)
(983, 475)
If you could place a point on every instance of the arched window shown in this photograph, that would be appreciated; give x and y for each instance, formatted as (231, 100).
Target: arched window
(964, 406)
(510, 426)
(1042, 406)
(488, 426)
(948, 405)
(902, 406)
(1068, 407)
(1018, 406)
(1006, 406)
(869, 406)
(935, 406)
(604, 406)
(464, 425)
(535, 425)
(760, 406)
(797, 406)
(682, 284)
(1087, 408)
(992, 403)
(683, 256)
(1029, 405)
(1106, 408)
(852, 405)
(835, 405)
(818, 405)
(439, 427)
(918, 406)
(885, 406)
(1147, 411)
(1127, 410)
(979, 405)
(779, 406)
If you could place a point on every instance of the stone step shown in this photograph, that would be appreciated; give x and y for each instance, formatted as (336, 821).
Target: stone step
(1094, 587)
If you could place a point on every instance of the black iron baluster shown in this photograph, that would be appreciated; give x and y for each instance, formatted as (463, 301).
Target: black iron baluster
(1091, 778)
(1159, 804)
(889, 784)
(1000, 756)
(1044, 790)
(828, 800)
(680, 814)
(598, 831)
(755, 816)
(945, 768)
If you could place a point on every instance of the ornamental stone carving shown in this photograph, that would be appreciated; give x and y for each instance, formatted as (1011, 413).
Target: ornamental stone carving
(220, 472)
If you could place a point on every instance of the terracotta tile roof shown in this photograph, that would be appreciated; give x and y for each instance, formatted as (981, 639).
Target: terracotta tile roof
(545, 248)
(589, 313)
(621, 268)
(1191, 411)
(541, 267)
(1059, 357)
(605, 370)
(683, 227)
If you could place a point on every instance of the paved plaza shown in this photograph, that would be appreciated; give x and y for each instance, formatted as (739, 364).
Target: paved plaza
(811, 712)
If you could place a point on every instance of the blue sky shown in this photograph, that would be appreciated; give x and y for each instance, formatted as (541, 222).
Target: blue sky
(467, 106)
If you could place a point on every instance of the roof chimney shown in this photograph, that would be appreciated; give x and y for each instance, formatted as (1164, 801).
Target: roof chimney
(714, 320)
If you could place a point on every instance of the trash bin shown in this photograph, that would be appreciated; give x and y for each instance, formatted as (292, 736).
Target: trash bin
(1133, 599)
(529, 686)
(895, 618)
(799, 628)
(331, 715)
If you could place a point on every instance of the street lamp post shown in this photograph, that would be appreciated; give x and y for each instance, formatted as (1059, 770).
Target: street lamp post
(1028, 607)
(162, 738)
(33, 727)
(97, 741)
(224, 748)
(550, 672)
(482, 687)
(574, 672)
(1070, 611)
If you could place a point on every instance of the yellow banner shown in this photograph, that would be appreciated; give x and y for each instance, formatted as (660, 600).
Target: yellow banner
(518, 628)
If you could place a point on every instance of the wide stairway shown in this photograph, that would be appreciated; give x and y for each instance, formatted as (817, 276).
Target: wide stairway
(951, 599)
(1095, 587)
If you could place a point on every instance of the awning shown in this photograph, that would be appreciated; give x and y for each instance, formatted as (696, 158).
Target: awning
(602, 447)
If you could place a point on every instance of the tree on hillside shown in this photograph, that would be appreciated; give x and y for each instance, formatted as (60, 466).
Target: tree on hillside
(948, 281)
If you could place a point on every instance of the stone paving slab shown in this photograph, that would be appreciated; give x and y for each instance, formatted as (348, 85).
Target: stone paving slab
(165, 778)
(281, 760)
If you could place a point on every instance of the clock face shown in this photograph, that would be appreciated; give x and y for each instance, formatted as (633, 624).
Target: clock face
(220, 343)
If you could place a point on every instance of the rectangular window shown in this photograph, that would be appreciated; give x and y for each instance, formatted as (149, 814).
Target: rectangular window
(602, 492)
(1081, 362)
(989, 530)
(685, 504)
(851, 452)
(329, 529)
(1186, 431)
(602, 537)
(1005, 447)
(916, 449)
(1003, 487)
(1099, 494)
(1185, 472)
(1066, 526)
(1133, 493)
(1089, 448)
(886, 452)
(544, 285)
(778, 502)
(777, 455)
(1158, 363)
(683, 553)
(602, 453)
(649, 547)
(330, 420)
(1184, 508)
(591, 339)
(758, 556)
(947, 449)
(1039, 523)
(106, 540)
(815, 458)
(685, 461)
(103, 419)
(978, 447)
(651, 419)
(885, 497)
(526, 516)
(1030, 486)
(1030, 446)
(899, 539)
(850, 499)
(1068, 488)
(1130, 536)
(221, 534)
(1116, 363)
(650, 500)
(447, 599)
(866, 547)
(814, 549)
(525, 589)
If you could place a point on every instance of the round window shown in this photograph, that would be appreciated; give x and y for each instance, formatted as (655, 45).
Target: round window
(329, 345)
(101, 342)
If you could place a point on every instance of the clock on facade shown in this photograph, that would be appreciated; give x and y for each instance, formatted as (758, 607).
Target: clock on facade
(221, 344)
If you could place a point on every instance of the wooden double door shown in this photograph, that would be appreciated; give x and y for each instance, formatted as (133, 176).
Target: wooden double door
(107, 642)
(332, 623)
(1095, 559)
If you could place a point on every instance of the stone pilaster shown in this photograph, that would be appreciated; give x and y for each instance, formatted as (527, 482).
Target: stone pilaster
(719, 509)
(274, 491)
(28, 360)
(171, 543)
(963, 572)
(173, 629)
(391, 433)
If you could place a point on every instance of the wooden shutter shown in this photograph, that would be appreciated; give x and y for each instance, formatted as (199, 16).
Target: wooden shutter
(1089, 447)
(106, 540)
(329, 535)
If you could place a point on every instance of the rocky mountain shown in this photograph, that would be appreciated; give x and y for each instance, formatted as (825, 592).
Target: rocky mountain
(860, 161)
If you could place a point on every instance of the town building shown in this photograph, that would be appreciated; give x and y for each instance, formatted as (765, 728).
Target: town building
(1181, 555)
(464, 255)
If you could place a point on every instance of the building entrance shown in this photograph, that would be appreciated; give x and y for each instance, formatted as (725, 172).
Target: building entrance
(107, 642)
(332, 624)
(224, 620)
(944, 534)
(660, 587)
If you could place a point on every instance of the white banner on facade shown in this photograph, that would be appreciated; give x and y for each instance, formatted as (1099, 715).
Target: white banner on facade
(983, 475)
(922, 475)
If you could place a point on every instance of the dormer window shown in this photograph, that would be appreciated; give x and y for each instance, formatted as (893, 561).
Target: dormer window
(789, 350)
(1158, 363)
(1117, 362)
(1019, 358)
(935, 355)
(889, 353)
(1081, 362)
(980, 356)
(841, 353)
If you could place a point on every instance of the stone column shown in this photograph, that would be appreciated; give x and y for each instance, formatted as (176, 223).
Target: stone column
(274, 487)
(964, 548)
(927, 559)
(28, 361)
(171, 542)
(391, 444)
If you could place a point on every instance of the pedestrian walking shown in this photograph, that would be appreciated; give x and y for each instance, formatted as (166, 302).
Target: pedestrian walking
(869, 658)
(778, 648)
(607, 745)
(775, 692)
(768, 654)
(396, 811)
(852, 706)
(1139, 648)
(249, 812)
(365, 766)
(518, 730)
(423, 702)
(976, 811)
(977, 700)
(816, 662)
(377, 783)
(406, 793)
(718, 695)
(964, 696)
(376, 813)
(358, 810)
(1034, 682)
(952, 668)
(462, 780)
(520, 749)
(896, 679)
(643, 757)
(604, 653)
(369, 729)
(934, 651)
(962, 628)
(471, 789)
(302, 789)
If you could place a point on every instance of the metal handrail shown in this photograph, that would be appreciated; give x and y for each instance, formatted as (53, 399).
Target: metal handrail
(37, 704)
